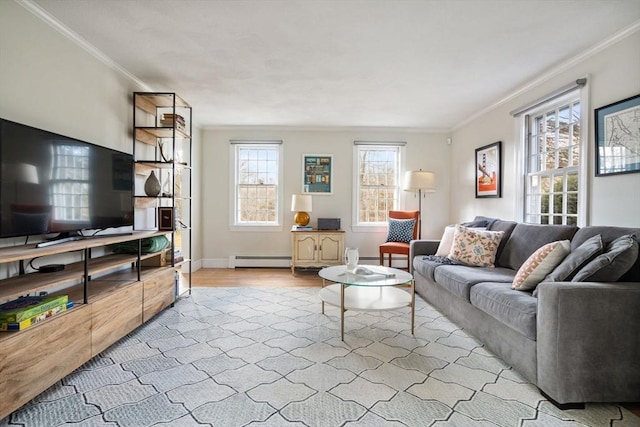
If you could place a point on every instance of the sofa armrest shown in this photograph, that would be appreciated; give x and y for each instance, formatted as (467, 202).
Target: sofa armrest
(421, 247)
(588, 341)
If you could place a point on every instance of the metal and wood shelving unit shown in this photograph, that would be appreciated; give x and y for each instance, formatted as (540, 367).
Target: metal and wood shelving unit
(162, 144)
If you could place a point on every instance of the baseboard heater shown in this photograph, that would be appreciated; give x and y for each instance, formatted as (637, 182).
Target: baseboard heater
(239, 261)
(262, 261)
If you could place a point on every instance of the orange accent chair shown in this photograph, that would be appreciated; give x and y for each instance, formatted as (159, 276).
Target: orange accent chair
(400, 248)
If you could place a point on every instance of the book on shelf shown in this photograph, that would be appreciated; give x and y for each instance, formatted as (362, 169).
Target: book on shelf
(301, 227)
(173, 119)
(24, 308)
(26, 323)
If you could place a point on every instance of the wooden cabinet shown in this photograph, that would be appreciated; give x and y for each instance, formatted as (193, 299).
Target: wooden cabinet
(112, 294)
(314, 248)
(162, 146)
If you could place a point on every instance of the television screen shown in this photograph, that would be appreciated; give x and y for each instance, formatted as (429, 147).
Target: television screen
(51, 183)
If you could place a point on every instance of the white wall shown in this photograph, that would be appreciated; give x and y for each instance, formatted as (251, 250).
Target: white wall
(614, 74)
(428, 151)
(48, 81)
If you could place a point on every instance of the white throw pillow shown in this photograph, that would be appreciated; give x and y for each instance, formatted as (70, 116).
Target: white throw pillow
(540, 263)
(447, 240)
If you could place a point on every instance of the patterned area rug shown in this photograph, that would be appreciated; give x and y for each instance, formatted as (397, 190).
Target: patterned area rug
(268, 357)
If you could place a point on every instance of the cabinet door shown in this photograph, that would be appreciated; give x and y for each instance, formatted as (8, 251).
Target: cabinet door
(108, 328)
(331, 248)
(158, 293)
(34, 359)
(305, 248)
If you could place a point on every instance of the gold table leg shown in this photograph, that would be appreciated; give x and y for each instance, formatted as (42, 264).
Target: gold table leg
(342, 310)
(323, 300)
(413, 305)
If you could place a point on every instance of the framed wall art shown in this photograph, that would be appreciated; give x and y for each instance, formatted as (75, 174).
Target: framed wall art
(317, 173)
(618, 137)
(489, 170)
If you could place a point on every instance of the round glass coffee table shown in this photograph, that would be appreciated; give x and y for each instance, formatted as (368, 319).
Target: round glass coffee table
(377, 291)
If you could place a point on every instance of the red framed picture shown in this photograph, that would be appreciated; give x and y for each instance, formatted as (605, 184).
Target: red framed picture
(489, 170)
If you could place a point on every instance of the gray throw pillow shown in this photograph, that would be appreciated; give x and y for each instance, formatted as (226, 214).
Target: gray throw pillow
(618, 258)
(577, 259)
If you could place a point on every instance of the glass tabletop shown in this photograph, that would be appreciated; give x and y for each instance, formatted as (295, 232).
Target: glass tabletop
(366, 275)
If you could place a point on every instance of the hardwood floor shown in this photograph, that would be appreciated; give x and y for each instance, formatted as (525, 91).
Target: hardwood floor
(273, 277)
(267, 277)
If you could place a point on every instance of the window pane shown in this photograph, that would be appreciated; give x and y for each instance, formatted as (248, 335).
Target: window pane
(551, 121)
(557, 203)
(563, 116)
(572, 204)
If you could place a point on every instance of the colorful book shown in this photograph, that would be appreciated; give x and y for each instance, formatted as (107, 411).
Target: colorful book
(19, 326)
(24, 308)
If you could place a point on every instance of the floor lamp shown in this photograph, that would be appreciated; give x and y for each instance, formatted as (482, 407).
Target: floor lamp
(422, 182)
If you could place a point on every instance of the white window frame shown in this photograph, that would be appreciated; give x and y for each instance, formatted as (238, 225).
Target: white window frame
(357, 225)
(522, 154)
(234, 149)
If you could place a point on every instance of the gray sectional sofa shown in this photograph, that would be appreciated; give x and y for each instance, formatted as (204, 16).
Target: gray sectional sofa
(577, 341)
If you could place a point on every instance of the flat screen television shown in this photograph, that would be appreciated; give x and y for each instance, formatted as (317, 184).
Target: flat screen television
(51, 183)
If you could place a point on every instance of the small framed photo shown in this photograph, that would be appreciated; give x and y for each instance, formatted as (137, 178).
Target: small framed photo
(165, 218)
(489, 170)
(618, 137)
(317, 174)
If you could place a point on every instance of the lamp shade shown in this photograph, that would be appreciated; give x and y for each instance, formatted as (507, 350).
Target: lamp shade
(21, 172)
(420, 180)
(300, 203)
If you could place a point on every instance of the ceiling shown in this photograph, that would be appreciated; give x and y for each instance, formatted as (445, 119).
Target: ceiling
(427, 64)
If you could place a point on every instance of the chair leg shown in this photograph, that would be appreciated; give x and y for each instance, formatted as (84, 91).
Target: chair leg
(381, 258)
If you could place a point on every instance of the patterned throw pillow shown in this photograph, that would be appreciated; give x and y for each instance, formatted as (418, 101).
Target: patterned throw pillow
(540, 263)
(444, 247)
(475, 247)
(400, 230)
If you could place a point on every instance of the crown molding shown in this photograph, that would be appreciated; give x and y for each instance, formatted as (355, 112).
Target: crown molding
(44, 16)
(302, 128)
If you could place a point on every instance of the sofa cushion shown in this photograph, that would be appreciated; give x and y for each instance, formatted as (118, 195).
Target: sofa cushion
(475, 247)
(515, 309)
(539, 264)
(507, 227)
(527, 238)
(458, 279)
(618, 258)
(577, 259)
(609, 234)
(426, 265)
